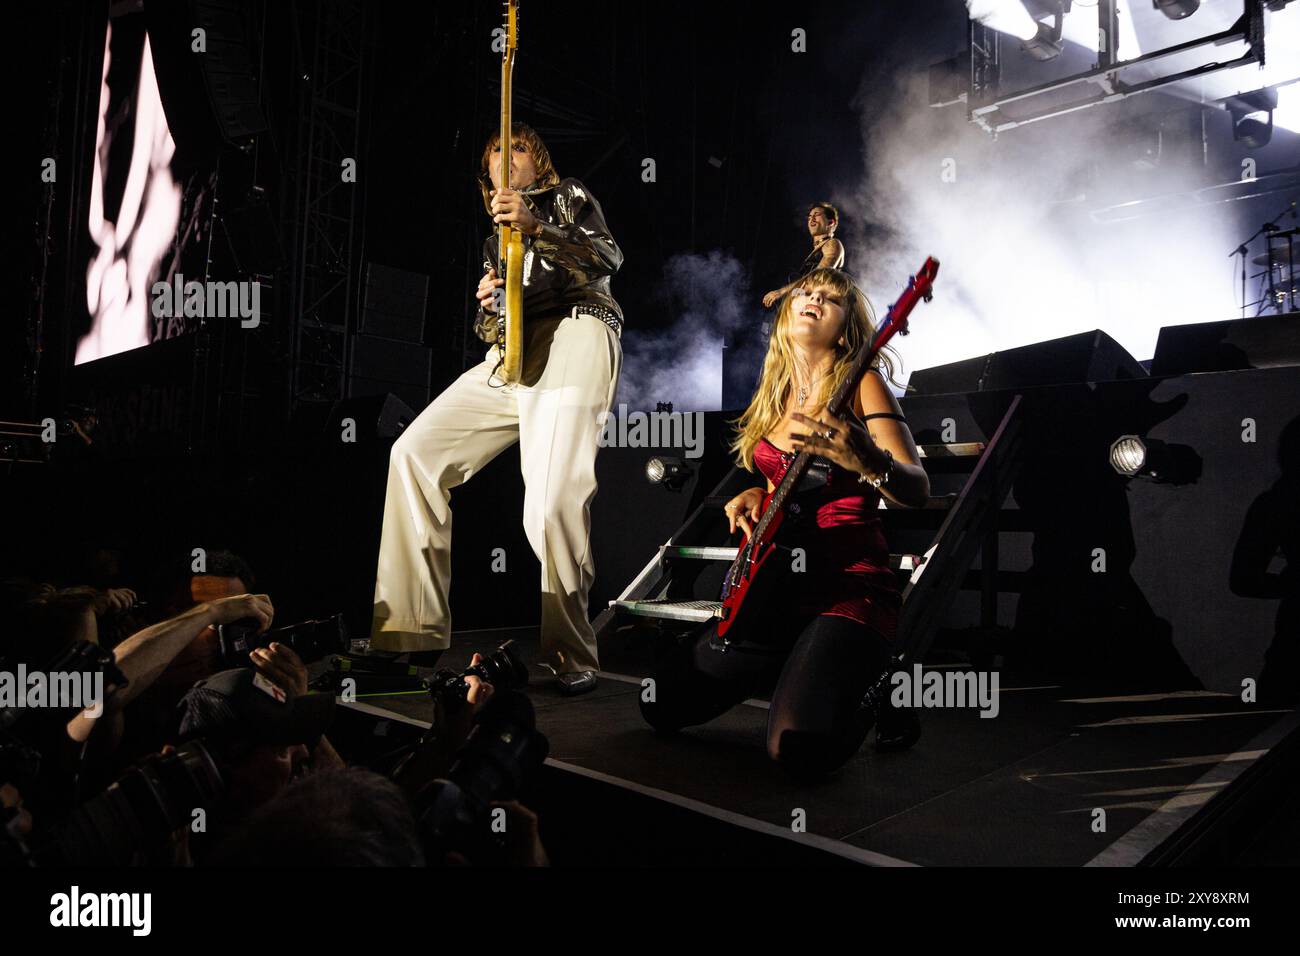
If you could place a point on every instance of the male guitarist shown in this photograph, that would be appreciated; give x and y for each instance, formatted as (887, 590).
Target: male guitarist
(827, 251)
(571, 364)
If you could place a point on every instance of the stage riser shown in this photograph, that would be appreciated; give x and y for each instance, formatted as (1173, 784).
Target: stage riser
(636, 828)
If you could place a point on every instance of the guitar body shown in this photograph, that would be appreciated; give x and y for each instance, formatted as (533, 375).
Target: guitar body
(761, 573)
(752, 583)
(510, 245)
(513, 360)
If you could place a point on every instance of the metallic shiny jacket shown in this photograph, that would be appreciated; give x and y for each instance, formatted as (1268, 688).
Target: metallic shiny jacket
(569, 263)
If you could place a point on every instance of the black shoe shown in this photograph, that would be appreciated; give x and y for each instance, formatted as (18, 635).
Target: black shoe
(576, 682)
(424, 658)
(897, 728)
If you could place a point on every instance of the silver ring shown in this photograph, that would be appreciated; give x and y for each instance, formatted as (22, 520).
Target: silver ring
(827, 434)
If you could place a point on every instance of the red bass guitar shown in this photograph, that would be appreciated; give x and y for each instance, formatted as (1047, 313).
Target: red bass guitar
(752, 578)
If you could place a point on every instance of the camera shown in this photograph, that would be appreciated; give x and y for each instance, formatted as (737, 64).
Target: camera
(504, 669)
(310, 640)
(134, 816)
(502, 751)
(453, 785)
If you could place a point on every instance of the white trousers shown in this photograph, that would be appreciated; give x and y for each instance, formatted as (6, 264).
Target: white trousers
(570, 375)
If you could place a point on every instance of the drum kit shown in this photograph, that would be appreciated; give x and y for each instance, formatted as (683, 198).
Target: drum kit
(1279, 280)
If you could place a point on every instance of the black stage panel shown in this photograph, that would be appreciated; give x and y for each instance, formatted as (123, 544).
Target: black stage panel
(1264, 342)
(1184, 600)
(1085, 357)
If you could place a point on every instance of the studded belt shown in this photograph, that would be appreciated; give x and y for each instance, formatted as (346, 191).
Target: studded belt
(602, 312)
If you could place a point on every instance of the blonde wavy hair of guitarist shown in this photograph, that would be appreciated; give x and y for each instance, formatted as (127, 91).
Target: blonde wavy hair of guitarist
(547, 177)
(775, 385)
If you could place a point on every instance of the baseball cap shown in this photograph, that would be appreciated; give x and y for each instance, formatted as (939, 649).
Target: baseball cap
(243, 705)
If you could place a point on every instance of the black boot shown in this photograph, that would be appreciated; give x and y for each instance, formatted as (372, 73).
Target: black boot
(897, 728)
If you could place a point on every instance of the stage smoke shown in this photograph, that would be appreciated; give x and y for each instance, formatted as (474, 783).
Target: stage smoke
(710, 294)
(1015, 222)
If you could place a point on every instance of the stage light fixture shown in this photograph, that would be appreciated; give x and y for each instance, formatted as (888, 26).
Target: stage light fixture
(1005, 16)
(1253, 133)
(1045, 44)
(1177, 9)
(672, 473)
(1128, 455)
(1252, 117)
(1136, 457)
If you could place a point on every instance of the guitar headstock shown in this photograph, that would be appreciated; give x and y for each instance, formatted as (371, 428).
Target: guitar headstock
(511, 25)
(920, 286)
(925, 278)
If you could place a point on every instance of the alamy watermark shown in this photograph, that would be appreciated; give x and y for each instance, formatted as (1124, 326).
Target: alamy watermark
(82, 690)
(658, 429)
(130, 910)
(207, 300)
(946, 689)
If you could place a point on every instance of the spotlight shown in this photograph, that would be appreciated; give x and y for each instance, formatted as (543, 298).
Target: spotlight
(1128, 455)
(1252, 117)
(1005, 16)
(1045, 44)
(672, 473)
(1177, 9)
(1253, 133)
(1136, 457)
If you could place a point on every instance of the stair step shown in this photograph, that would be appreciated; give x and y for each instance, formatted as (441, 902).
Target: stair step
(898, 562)
(906, 562)
(700, 552)
(950, 459)
(964, 449)
(699, 612)
(933, 503)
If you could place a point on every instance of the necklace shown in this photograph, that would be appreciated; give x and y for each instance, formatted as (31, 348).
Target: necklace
(805, 389)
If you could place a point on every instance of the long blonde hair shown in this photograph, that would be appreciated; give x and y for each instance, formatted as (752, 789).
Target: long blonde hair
(767, 407)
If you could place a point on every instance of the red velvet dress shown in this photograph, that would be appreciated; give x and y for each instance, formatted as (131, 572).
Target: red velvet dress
(847, 571)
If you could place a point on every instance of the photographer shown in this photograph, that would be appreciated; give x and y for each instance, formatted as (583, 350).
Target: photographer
(54, 632)
(483, 745)
(347, 817)
(49, 621)
(261, 734)
(143, 656)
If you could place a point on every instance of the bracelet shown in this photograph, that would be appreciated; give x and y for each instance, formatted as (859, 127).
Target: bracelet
(881, 480)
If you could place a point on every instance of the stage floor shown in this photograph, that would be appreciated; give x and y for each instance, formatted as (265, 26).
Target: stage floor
(1020, 789)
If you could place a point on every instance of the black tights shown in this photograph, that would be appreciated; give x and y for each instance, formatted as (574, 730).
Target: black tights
(815, 722)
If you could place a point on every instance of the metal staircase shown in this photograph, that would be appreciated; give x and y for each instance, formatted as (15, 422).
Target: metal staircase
(678, 587)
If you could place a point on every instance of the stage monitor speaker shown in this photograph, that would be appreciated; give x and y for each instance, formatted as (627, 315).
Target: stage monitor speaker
(1265, 342)
(209, 95)
(383, 415)
(381, 365)
(1086, 357)
(251, 232)
(394, 302)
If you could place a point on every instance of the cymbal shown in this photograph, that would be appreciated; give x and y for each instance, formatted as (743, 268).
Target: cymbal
(1276, 257)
